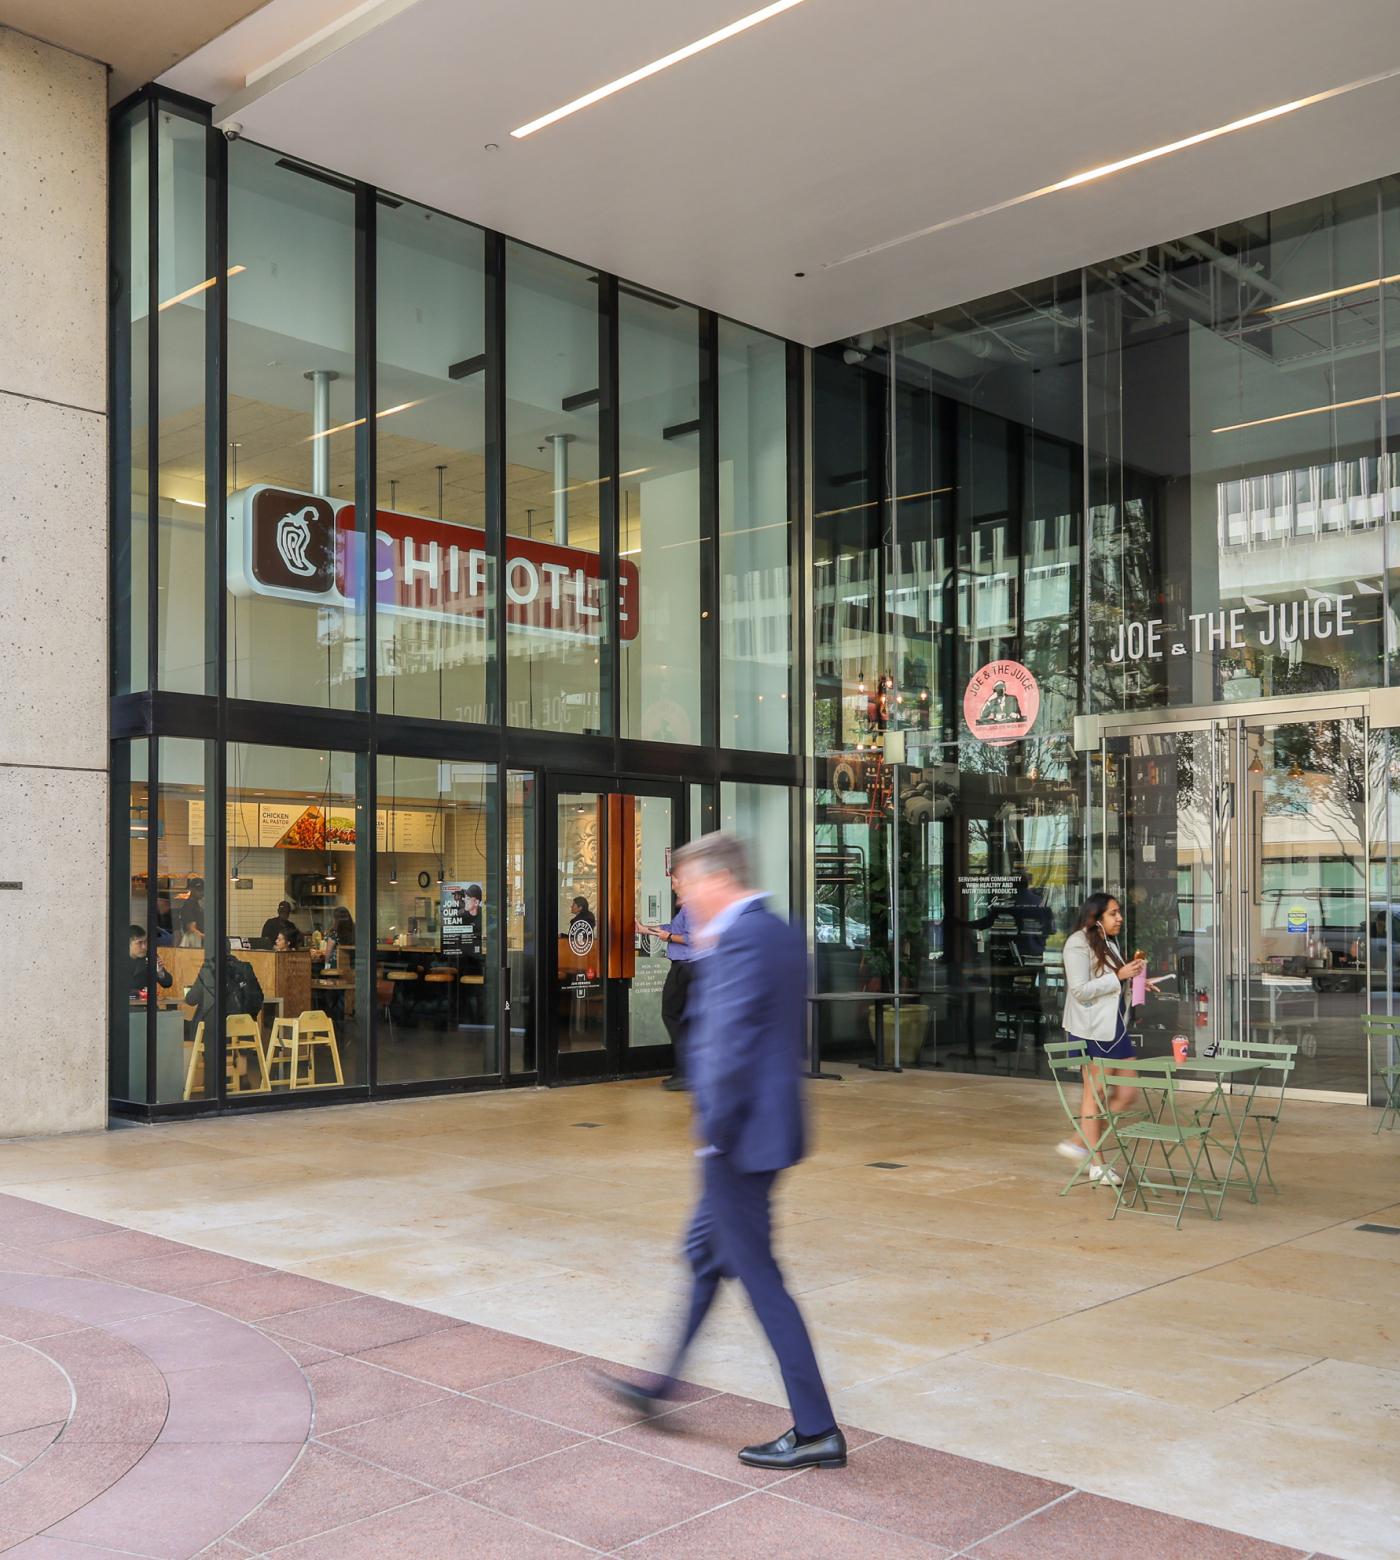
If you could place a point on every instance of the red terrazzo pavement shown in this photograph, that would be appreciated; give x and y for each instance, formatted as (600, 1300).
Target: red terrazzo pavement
(165, 1402)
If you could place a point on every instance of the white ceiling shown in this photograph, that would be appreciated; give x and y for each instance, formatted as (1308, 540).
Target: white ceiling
(834, 126)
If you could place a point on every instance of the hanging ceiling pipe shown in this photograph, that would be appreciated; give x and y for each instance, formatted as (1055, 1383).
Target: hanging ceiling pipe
(320, 424)
(561, 443)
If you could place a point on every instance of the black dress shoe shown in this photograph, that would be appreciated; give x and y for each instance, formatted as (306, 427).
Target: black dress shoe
(629, 1394)
(790, 1452)
(675, 1085)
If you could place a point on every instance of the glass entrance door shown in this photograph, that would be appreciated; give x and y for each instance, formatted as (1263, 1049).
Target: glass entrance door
(1239, 847)
(1303, 922)
(612, 853)
(1166, 807)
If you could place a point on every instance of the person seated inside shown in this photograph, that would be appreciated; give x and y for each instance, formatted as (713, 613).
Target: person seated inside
(281, 924)
(139, 975)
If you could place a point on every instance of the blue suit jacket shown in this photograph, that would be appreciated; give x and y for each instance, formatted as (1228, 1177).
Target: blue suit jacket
(748, 1011)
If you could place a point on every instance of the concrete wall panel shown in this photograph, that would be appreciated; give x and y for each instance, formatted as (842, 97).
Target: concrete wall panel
(53, 585)
(53, 214)
(53, 932)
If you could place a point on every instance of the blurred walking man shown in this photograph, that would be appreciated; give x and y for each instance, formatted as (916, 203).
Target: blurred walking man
(746, 1043)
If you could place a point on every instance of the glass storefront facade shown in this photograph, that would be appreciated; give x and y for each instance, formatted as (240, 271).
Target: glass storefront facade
(1103, 598)
(1085, 585)
(345, 813)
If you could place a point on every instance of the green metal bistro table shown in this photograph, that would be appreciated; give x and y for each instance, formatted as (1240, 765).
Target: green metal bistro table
(1224, 1070)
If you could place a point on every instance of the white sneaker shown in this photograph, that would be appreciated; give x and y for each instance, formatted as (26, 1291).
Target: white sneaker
(1067, 1148)
(1105, 1173)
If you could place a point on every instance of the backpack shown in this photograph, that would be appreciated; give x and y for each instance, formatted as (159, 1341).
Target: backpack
(242, 991)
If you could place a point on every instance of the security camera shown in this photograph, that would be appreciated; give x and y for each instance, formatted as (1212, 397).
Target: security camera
(232, 130)
(853, 355)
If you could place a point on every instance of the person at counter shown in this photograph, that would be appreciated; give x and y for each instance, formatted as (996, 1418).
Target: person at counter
(579, 911)
(282, 924)
(341, 935)
(190, 915)
(138, 946)
(283, 942)
(165, 936)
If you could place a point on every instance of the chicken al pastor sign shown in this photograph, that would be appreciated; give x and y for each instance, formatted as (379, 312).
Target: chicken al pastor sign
(302, 547)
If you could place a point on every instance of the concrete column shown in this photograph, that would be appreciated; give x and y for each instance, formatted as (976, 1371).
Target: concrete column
(53, 589)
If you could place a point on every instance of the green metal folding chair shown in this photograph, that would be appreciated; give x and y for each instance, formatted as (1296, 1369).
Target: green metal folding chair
(1390, 1111)
(1386, 1026)
(1169, 1131)
(1066, 1059)
(1263, 1113)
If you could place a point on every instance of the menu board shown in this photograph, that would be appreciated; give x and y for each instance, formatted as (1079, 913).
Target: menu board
(413, 830)
(281, 826)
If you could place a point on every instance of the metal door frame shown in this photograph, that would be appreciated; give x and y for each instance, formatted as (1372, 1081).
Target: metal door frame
(611, 1062)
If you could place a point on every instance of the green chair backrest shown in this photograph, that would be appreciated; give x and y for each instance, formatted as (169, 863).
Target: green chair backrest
(1065, 1058)
(1280, 1058)
(1149, 1074)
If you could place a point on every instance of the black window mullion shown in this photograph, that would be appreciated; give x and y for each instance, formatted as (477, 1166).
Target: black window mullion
(216, 865)
(609, 507)
(799, 705)
(152, 866)
(216, 891)
(366, 525)
(495, 431)
(710, 692)
(215, 406)
(119, 403)
(366, 487)
(152, 390)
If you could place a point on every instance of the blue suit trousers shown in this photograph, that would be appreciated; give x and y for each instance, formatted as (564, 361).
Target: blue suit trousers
(730, 1236)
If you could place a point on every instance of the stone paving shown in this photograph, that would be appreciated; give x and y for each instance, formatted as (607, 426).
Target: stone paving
(164, 1401)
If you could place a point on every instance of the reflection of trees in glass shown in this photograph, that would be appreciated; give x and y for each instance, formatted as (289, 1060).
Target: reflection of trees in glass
(1123, 588)
(1317, 772)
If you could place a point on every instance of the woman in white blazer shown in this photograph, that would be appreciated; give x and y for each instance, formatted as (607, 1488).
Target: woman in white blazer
(1097, 986)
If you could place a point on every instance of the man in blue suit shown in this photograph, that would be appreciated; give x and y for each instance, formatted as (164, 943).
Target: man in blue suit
(746, 1047)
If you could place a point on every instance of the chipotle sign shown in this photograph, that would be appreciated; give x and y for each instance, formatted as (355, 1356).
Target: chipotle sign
(299, 547)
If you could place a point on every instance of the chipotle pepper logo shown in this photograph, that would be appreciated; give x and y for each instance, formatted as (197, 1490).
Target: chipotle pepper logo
(293, 541)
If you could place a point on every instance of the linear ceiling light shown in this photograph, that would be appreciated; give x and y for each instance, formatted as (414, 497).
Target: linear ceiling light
(900, 498)
(1336, 292)
(1309, 411)
(198, 287)
(388, 411)
(1103, 171)
(632, 77)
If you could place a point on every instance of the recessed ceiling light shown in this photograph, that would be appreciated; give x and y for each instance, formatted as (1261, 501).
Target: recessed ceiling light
(1103, 171)
(632, 77)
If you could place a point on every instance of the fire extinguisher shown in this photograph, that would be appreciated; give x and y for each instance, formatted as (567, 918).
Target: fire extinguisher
(1202, 1010)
